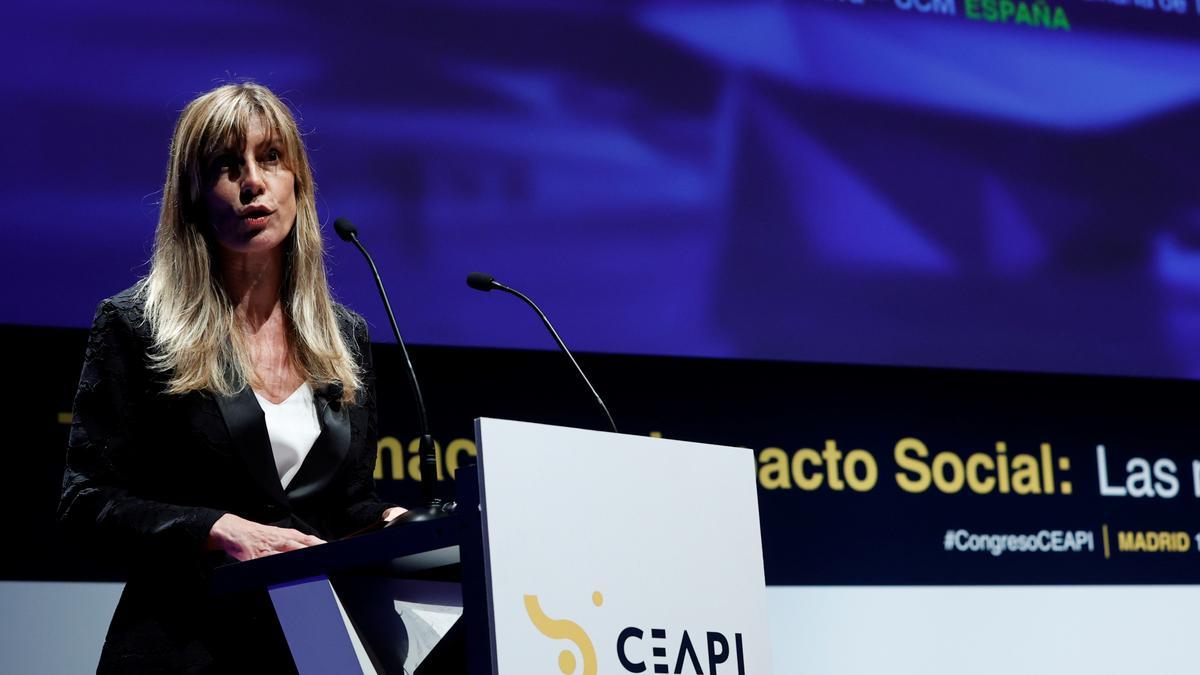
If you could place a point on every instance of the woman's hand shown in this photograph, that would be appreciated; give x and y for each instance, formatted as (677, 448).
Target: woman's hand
(245, 539)
(393, 513)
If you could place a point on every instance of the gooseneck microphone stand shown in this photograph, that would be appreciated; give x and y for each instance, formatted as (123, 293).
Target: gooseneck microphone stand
(434, 506)
(486, 282)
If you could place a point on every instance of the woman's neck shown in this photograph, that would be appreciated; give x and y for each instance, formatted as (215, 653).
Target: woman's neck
(253, 282)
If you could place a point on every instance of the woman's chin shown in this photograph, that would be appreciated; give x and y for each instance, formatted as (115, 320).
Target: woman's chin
(253, 241)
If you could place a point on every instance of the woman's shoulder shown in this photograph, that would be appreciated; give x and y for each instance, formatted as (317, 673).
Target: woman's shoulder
(125, 310)
(131, 301)
(120, 337)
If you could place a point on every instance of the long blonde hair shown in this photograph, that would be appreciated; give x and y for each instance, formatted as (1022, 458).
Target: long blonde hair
(197, 338)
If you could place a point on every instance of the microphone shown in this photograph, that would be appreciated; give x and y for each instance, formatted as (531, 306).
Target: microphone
(485, 282)
(346, 230)
(481, 282)
(434, 507)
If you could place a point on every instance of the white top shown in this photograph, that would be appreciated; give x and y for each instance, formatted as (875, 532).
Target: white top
(293, 428)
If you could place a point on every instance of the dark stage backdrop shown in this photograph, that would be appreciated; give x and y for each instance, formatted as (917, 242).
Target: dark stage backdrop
(969, 183)
(867, 475)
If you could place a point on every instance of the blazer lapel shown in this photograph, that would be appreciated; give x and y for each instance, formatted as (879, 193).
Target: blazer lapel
(248, 428)
(330, 448)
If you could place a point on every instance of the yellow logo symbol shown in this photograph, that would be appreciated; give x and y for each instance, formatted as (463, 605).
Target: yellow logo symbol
(562, 629)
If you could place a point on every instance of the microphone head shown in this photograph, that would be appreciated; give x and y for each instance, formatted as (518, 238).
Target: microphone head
(345, 229)
(480, 281)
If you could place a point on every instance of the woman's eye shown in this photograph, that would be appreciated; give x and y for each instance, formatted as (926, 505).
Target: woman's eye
(273, 155)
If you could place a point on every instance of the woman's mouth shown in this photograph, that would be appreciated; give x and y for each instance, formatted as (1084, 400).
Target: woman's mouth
(256, 217)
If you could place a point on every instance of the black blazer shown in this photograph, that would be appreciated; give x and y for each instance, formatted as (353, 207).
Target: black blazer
(148, 474)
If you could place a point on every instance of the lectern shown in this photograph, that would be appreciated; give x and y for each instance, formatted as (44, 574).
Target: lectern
(572, 551)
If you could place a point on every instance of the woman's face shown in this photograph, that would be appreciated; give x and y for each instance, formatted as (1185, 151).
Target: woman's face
(250, 194)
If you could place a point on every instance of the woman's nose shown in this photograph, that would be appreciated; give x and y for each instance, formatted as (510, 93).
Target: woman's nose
(252, 181)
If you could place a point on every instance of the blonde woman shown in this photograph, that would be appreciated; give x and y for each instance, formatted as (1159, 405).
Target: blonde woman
(226, 408)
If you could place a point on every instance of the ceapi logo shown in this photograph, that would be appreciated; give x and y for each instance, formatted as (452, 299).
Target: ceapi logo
(561, 629)
(630, 650)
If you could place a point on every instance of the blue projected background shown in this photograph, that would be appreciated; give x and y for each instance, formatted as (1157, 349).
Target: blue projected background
(922, 182)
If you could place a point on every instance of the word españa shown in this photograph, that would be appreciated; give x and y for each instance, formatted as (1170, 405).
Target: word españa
(1038, 14)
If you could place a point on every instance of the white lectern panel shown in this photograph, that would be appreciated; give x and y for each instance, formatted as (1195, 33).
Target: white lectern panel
(609, 553)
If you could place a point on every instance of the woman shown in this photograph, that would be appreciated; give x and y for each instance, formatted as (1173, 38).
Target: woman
(226, 408)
